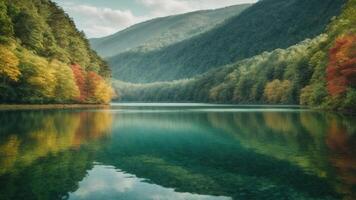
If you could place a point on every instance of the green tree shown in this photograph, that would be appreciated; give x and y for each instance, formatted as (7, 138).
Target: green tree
(6, 26)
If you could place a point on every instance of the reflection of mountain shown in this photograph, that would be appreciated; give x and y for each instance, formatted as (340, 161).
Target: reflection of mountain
(39, 158)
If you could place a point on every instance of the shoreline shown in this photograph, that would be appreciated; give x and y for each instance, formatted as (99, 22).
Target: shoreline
(10, 107)
(14, 107)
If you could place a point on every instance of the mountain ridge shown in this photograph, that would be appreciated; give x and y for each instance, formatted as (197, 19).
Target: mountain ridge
(162, 31)
(265, 26)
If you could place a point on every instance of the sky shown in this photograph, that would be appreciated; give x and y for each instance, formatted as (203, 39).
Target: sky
(98, 18)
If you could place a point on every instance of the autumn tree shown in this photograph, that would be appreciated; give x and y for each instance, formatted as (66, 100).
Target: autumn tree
(277, 91)
(38, 81)
(341, 71)
(80, 79)
(66, 88)
(9, 74)
(9, 62)
(99, 91)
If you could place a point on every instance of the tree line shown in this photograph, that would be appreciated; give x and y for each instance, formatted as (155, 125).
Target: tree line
(45, 59)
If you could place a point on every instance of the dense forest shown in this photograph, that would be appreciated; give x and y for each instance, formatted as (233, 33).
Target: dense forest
(315, 72)
(161, 32)
(45, 59)
(265, 26)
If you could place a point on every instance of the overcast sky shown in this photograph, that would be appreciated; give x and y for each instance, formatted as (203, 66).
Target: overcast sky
(99, 18)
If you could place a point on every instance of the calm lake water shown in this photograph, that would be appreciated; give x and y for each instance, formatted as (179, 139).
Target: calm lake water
(177, 151)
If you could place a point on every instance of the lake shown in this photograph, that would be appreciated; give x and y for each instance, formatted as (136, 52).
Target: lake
(177, 151)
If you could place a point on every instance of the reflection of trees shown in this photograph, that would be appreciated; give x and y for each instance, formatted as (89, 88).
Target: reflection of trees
(276, 134)
(50, 177)
(342, 145)
(268, 155)
(203, 159)
(93, 125)
(299, 138)
(38, 162)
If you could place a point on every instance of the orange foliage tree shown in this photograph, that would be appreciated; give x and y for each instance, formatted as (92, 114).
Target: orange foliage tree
(93, 87)
(341, 70)
(99, 91)
(80, 78)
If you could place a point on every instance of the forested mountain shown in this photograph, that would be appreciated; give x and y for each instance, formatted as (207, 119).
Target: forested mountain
(45, 59)
(265, 26)
(319, 72)
(242, 82)
(163, 31)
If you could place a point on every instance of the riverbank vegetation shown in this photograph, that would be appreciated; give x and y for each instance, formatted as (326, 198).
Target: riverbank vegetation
(45, 59)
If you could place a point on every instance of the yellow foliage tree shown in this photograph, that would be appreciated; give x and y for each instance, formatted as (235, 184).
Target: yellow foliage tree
(39, 78)
(66, 88)
(9, 63)
(277, 91)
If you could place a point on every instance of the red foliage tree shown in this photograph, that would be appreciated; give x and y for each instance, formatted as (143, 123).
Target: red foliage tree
(341, 71)
(80, 78)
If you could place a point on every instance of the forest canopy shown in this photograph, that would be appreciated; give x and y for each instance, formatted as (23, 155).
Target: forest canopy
(39, 47)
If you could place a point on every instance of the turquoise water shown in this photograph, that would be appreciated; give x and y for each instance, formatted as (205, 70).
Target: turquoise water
(177, 151)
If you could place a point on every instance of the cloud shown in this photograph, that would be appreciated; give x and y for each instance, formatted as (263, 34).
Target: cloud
(102, 21)
(166, 7)
(169, 7)
(106, 182)
(104, 179)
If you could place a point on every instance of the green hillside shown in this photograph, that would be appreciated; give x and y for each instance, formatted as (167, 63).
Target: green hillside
(265, 26)
(242, 82)
(163, 31)
(319, 72)
(45, 59)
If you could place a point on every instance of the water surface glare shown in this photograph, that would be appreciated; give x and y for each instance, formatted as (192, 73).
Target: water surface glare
(177, 151)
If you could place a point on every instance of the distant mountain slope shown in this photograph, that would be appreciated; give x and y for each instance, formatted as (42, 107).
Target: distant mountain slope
(318, 72)
(265, 26)
(163, 31)
(241, 82)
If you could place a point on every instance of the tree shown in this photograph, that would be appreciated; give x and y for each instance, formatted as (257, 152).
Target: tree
(66, 88)
(80, 79)
(9, 63)
(341, 71)
(306, 95)
(6, 27)
(29, 30)
(277, 91)
(98, 89)
(38, 81)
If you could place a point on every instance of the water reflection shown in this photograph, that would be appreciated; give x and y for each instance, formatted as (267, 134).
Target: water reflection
(181, 153)
(105, 182)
